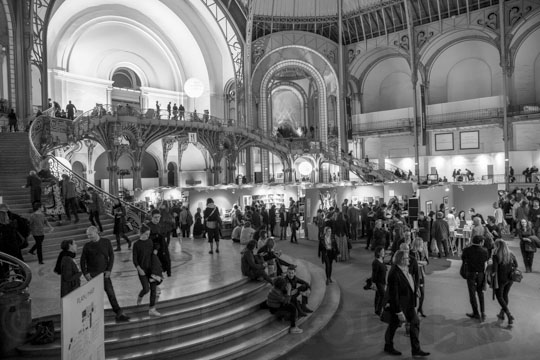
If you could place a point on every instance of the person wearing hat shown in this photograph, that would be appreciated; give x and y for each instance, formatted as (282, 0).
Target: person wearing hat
(212, 223)
(441, 233)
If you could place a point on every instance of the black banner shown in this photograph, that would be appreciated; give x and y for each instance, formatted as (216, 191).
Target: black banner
(423, 117)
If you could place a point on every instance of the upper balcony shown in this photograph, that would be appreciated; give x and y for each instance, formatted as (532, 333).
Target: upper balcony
(476, 112)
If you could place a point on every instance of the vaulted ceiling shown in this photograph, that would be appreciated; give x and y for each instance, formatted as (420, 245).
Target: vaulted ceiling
(362, 19)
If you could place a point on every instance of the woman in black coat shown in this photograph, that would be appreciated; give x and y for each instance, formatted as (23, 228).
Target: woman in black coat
(504, 263)
(67, 268)
(378, 277)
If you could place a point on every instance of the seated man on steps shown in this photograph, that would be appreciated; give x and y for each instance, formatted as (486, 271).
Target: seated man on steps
(304, 290)
(253, 266)
(269, 254)
(279, 303)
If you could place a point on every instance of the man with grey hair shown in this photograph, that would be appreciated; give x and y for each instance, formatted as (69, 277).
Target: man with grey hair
(440, 231)
(402, 288)
(98, 257)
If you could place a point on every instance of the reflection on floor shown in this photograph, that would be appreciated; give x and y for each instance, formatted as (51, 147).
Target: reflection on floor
(193, 271)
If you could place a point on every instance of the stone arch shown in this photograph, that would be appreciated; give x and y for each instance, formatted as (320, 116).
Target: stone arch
(263, 108)
(79, 168)
(172, 174)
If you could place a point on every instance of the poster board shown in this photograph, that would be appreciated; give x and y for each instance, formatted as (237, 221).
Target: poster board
(469, 140)
(83, 322)
(444, 141)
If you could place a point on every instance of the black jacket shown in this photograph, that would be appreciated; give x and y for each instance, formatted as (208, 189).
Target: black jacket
(475, 256)
(401, 296)
(378, 272)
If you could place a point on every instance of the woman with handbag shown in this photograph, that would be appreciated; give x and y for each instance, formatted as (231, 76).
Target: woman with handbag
(329, 252)
(504, 265)
(420, 255)
(526, 244)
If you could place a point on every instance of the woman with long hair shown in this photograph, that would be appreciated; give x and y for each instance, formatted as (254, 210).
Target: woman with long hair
(418, 252)
(526, 244)
(166, 222)
(67, 268)
(504, 262)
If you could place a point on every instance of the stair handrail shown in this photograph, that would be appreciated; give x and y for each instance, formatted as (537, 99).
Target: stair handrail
(18, 274)
(134, 215)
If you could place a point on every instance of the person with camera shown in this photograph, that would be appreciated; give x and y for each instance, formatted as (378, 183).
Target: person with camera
(402, 289)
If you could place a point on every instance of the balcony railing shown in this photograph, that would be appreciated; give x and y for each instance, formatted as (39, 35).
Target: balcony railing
(449, 119)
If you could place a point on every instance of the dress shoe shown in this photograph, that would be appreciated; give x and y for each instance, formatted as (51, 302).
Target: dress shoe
(500, 315)
(211, 252)
(117, 249)
(392, 351)
(217, 250)
(473, 316)
(483, 317)
(420, 353)
(421, 313)
(122, 318)
(510, 319)
(306, 309)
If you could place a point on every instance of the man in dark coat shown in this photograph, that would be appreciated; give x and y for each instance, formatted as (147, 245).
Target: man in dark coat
(34, 183)
(212, 223)
(402, 289)
(475, 258)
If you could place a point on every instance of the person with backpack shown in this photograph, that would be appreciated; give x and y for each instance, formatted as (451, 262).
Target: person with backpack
(212, 223)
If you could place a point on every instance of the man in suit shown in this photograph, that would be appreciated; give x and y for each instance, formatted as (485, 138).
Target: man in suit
(402, 301)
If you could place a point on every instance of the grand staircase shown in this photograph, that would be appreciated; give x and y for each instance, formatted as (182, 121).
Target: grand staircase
(220, 323)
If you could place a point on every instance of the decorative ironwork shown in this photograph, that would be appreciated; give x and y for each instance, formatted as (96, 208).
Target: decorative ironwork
(403, 42)
(491, 21)
(516, 14)
(423, 37)
(15, 275)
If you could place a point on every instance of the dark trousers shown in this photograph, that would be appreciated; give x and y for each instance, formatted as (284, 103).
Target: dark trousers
(185, 230)
(213, 235)
(421, 299)
(108, 287)
(328, 260)
(288, 311)
(353, 231)
(35, 194)
(38, 246)
(283, 234)
(379, 296)
(13, 126)
(272, 226)
(502, 296)
(121, 235)
(71, 207)
(293, 235)
(148, 286)
(412, 319)
(94, 219)
(364, 228)
(475, 284)
(442, 244)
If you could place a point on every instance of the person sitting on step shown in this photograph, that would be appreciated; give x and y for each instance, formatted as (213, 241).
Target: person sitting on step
(304, 290)
(279, 303)
(269, 254)
(253, 266)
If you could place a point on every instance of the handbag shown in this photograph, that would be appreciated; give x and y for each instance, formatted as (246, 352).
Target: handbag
(386, 315)
(516, 275)
(529, 246)
(463, 270)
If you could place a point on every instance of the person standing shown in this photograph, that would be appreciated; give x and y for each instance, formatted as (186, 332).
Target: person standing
(157, 235)
(70, 109)
(169, 111)
(378, 277)
(92, 202)
(504, 263)
(175, 111)
(33, 181)
(272, 219)
(70, 198)
(419, 254)
(37, 224)
(119, 213)
(499, 215)
(526, 243)
(402, 302)
(182, 111)
(66, 267)
(11, 225)
(158, 110)
(143, 251)
(475, 258)
(12, 121)
(534, 215)
(440, 232)
(212, 223)
(328, 252)
(98, 257)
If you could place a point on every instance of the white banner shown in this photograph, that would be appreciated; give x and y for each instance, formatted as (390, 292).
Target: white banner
(83, 322)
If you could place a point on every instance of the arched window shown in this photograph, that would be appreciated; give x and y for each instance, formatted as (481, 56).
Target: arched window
(126, 79)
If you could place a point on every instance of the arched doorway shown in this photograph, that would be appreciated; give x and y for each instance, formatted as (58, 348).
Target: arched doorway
(78, 168)
(172, 178)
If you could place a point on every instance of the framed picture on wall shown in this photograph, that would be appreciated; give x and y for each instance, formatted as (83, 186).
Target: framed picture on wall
(445, 202)
(469, 140)
(354, 199)
(444, 141)
(429, 207)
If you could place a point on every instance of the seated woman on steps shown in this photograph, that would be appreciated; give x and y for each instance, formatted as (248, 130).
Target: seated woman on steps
(253, 266)
(279, 303)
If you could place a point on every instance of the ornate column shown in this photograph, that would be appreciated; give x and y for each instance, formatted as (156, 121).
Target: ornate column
(506, 65)
(167, 144)
(113, 177)
(22, 36)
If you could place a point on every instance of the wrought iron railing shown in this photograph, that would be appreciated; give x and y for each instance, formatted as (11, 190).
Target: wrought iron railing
(404, 124)
(518, 178)
(134, 215)
(15, 275)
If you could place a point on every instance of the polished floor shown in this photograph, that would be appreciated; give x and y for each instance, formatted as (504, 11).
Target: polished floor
(354, 332)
